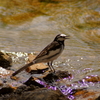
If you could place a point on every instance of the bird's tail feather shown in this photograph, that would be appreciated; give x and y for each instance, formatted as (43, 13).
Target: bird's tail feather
(21, 69)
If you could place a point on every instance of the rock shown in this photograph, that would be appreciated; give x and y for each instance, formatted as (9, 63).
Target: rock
(84, 94)
(6, 90)
(38, 94)
(36, 68)
(5, 60)
(91, 78)
(43, 94)
(63, 74)
(24, 88)
(32, 81)
(51, 77)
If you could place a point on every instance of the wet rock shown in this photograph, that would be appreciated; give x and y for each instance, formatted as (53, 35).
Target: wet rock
(9, 97)
(91, 78)
(6, 90)
(24, 88)
(36, 68)
(51, 77)
(63, 74)
(38, 71)
(43, 94)
(32, 81)
(38, 94)
(84, 94)
(77, 92)
(5, 60)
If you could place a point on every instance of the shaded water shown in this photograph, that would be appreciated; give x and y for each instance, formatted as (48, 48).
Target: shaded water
(80, 19)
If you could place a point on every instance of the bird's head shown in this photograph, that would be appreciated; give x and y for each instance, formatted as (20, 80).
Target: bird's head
(61, 37)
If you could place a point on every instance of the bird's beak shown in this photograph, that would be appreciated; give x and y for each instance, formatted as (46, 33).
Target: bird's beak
(67, 37)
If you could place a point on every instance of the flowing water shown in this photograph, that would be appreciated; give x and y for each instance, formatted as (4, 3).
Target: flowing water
(78, 18)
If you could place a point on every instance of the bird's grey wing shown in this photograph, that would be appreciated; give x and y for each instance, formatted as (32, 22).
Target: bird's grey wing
(47, 49)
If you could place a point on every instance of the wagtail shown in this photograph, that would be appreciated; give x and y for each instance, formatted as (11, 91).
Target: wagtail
(48, 54)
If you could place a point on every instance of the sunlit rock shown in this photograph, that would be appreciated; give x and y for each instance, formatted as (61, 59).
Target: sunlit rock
(36, 68)
(83, 94)
(92, 78)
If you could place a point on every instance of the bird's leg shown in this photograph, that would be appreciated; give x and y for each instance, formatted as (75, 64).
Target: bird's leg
(52, 66)
(49, 66)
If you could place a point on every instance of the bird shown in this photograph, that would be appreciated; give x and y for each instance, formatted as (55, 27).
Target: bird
(48, 54)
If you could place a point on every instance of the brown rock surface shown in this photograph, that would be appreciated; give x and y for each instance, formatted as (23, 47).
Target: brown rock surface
(37, 94)
(43, 94)
(84, 94)
(36, 67)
